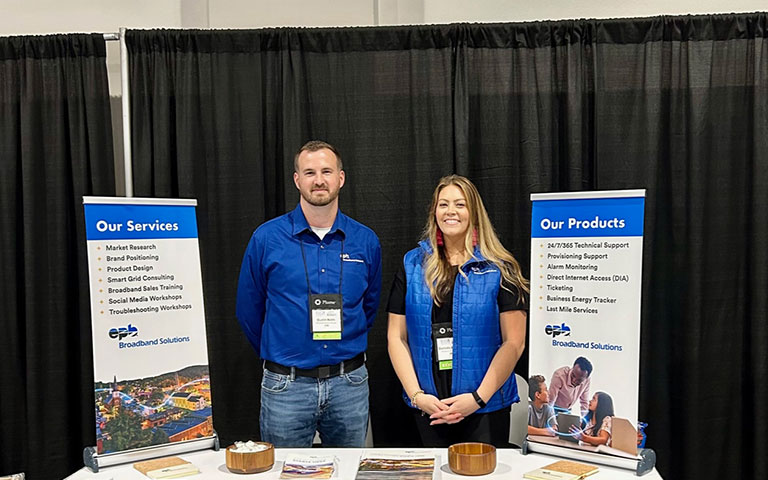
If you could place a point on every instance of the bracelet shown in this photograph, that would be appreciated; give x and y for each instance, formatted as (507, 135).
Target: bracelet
(413, 397)
(478, 399)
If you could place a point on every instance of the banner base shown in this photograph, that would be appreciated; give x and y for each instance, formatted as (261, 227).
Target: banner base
(94, 461)
(645, 462)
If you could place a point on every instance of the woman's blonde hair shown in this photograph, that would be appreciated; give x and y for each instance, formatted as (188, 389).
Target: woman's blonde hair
(438, 272)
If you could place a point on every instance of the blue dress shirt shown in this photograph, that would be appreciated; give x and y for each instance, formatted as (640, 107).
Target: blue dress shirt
(272, 294)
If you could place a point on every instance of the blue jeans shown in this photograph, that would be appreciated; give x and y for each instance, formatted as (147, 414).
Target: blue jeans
(292, 409)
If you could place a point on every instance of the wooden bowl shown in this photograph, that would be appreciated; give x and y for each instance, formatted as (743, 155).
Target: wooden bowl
(251, 462)
(472, 458)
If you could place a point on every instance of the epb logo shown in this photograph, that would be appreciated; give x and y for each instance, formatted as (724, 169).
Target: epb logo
(122, 332)
(556, 330)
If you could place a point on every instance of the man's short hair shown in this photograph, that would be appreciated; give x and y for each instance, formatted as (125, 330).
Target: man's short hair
(313, 146)
(584, 364)
(534, 386)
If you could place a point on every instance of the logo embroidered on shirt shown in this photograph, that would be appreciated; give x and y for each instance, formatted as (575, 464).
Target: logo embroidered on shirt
(345, 257)
(479, 271)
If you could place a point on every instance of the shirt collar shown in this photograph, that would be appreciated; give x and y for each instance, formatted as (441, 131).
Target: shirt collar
(300, 223)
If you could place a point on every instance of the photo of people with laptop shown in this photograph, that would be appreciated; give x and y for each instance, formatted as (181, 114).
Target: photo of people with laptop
(563, 413)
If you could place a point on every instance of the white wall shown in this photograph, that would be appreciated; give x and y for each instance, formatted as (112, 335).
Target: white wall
(22, 17)
(449, 11)
(27, 17)
(311, 13)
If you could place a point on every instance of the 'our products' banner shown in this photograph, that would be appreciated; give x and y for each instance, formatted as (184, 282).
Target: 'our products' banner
(150, 360)
(586, 269)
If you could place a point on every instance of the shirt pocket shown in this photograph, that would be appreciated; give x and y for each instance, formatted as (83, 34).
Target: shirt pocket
(355, 277)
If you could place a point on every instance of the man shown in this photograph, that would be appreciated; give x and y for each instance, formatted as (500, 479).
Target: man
(571, 384)
(541, 415)
(307, 296)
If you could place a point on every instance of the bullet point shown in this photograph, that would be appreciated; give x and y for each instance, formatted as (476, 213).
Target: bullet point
(101, 301)
(99, 279)
(540, 298)
(98, 248)
(540, 276)
(102, 312)
(98, 258)
(541, 266)
(541, 256)
(99, 268)
(101, 290)
(540, 308)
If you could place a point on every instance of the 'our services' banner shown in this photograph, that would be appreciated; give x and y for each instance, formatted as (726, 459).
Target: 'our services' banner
(150, 361)
(586, 272)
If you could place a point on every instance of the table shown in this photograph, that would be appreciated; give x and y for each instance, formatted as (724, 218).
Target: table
(510, 464)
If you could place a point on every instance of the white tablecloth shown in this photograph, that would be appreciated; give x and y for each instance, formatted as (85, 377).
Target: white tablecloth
(510, 464)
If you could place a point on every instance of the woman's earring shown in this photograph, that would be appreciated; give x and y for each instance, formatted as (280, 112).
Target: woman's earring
(439, 236)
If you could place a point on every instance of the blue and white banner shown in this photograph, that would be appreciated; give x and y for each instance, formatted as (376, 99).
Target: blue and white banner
(150, 355)
(586, 278)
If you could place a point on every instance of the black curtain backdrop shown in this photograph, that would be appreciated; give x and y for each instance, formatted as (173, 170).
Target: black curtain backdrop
(675, 105)
(55, 147)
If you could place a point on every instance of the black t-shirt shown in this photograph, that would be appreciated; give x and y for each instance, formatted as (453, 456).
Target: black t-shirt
(507, 300)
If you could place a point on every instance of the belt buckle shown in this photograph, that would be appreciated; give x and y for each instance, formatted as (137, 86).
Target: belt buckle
(324, 371)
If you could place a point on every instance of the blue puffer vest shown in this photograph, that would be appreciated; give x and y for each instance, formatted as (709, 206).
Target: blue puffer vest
(476, 330)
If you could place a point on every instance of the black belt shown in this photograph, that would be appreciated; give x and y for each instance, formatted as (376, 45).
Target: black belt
(324, 371)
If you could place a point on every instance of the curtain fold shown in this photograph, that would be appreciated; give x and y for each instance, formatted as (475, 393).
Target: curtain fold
(675, 105)
(55, 147)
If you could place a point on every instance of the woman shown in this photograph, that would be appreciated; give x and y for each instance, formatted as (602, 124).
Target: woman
(457, 322)
(599, 419)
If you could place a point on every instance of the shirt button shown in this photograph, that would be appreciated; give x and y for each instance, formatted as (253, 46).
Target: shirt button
(322, 247)
(325, 346)
(322, 270)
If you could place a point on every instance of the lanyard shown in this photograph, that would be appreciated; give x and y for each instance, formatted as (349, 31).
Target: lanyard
(306, 272)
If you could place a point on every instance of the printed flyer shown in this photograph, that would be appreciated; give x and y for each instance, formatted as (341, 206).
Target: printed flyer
(397, 465)
(150, 356)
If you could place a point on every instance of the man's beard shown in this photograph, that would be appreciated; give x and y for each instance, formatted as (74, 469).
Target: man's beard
(320, 201)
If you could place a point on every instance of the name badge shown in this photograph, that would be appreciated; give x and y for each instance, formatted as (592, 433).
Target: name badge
(442, 336)
(325, 311)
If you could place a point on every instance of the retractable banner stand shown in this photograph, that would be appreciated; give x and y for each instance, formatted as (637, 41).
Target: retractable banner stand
(586, 279)
(150, 358)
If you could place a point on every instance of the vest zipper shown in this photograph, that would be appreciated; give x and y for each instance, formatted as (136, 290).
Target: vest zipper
(455, 375)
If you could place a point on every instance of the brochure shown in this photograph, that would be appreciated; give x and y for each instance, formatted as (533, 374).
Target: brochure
(309, 466)
(408, 464)
(562, 470)
(166, 467)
